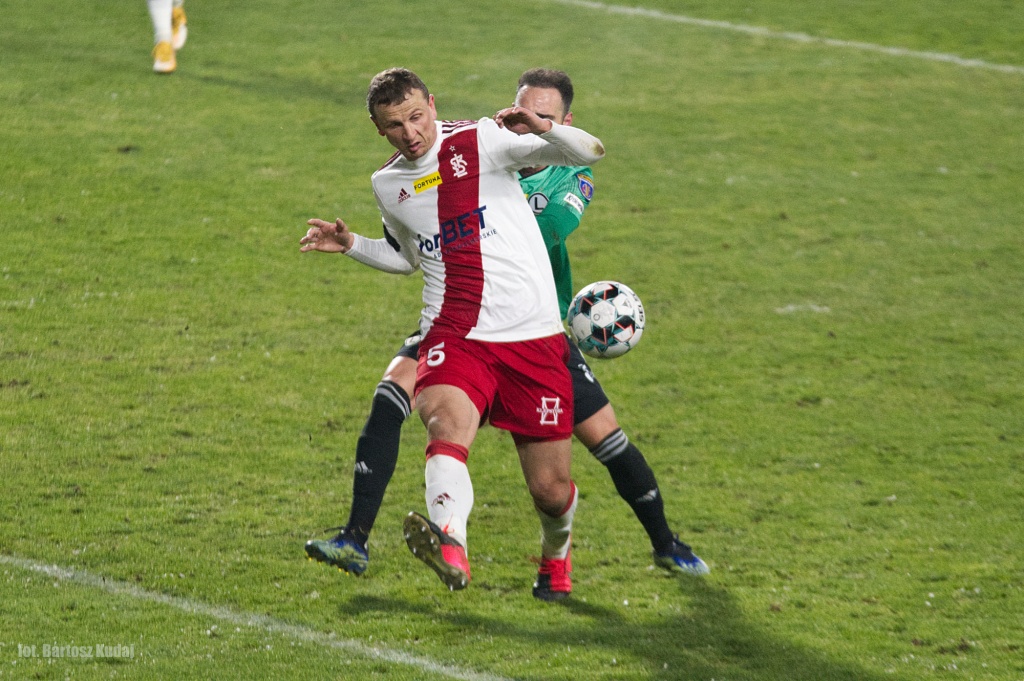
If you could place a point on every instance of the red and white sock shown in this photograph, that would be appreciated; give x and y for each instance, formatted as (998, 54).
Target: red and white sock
(556, 531)
(449, 492)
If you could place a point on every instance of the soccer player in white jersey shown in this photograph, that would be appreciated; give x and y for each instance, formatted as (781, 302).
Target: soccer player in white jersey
(558, 196)
(170, 32)
(493, 343)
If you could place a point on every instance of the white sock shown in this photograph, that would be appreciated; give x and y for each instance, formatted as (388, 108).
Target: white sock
(160, 13)
(449, 495)
(556, 532)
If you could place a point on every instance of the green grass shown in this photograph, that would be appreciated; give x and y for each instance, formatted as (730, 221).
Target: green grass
(827, 241)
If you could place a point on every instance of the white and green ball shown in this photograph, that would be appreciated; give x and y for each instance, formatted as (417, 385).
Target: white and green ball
(606, 319)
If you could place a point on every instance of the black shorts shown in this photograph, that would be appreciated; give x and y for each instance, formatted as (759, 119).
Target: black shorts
(587, 394)
(411, 347)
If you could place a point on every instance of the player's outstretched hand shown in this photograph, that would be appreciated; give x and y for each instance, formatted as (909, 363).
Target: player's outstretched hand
(329, 237)
(522, 121)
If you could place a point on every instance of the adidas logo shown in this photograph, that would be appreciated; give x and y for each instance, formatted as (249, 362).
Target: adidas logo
(403, 195)
(362, 468)
(649, 497)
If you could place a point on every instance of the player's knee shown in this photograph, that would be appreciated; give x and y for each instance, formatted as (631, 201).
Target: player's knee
(550, 495)
(448, 414)
(592, 431)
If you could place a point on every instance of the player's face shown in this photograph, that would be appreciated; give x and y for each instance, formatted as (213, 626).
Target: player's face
(408, 125)
(546, 102)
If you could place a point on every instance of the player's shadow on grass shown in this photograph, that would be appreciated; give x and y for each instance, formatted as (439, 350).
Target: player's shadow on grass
(711, 638)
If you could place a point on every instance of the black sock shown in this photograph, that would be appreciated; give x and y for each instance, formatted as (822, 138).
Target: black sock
(635, 482)
(376, 456)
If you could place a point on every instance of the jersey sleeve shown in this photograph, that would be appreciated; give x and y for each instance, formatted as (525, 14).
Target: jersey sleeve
(395, 253)
(381, 254)
(561, 146)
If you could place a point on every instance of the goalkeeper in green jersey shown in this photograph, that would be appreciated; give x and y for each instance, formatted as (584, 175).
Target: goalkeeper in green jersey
(559, 196)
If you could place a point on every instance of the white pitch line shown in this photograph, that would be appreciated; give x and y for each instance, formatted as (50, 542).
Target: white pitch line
(795, 37)
(237, 618)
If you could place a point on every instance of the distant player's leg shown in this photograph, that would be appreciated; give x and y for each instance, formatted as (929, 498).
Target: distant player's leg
(376, 458)
(598, 429)
(163, 51)
(179, 25)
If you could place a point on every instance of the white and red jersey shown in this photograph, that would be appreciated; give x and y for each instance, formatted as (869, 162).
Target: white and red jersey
(459, 214)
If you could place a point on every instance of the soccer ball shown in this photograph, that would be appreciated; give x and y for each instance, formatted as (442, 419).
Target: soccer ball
(606, 319)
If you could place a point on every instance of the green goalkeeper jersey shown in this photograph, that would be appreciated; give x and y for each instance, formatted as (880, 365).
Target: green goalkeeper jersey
(558, 196)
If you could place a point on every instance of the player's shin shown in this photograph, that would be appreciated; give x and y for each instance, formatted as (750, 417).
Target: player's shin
(635, 482)
(376, 456)
(449, 489)
(556, 531)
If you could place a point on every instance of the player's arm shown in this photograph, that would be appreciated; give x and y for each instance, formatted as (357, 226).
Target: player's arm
(579, 147)
(557, 222)
(326, 237)
(382, 254)
(395, 253)
(568, 198)
(566, 145)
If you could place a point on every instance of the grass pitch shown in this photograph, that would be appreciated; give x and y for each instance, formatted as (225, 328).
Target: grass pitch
(827, 242)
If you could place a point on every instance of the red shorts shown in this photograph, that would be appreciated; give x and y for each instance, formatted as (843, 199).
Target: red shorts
(522, 387)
